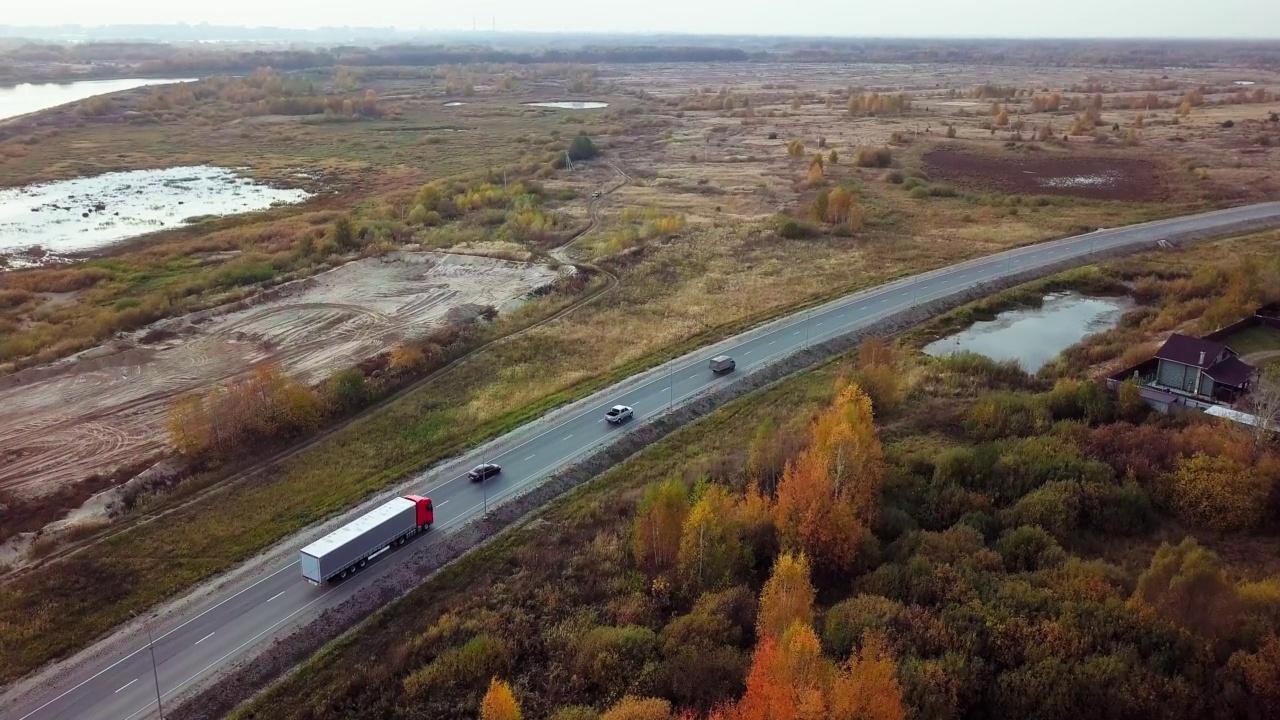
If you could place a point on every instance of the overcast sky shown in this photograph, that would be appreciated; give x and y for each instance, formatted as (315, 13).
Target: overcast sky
(918, 18)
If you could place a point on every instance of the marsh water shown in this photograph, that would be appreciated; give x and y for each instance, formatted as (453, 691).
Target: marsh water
(26, 98)
(90, 212)
(1034, 336)
(570, 105)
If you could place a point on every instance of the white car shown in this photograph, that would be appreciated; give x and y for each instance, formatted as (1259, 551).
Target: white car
(618, 413)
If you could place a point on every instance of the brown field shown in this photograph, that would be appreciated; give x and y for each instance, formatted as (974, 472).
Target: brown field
(94, 413)
(1097, 177)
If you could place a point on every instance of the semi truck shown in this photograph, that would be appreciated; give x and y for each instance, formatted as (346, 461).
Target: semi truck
(347, 549)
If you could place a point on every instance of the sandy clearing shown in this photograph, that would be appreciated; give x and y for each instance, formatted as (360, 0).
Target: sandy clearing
(64, 422)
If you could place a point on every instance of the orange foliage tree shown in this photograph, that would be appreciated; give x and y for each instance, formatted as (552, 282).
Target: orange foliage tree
(827, 496)
(791, 680)
(266, 404)
(499, 702)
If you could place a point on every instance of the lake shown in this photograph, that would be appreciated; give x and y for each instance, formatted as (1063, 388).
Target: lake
(90, 212)
(28, 98)
(1034, 336)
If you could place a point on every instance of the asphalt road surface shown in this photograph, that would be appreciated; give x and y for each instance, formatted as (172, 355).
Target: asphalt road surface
(219, 631)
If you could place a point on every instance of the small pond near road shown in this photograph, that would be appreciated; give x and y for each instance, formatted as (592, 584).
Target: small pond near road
(26, 98)
(90, 212)
(1034, 336)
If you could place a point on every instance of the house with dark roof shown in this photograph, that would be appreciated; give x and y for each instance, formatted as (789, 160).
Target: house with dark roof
(1204, 369)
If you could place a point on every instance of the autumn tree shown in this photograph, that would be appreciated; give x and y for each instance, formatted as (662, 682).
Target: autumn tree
(1263, 401)
(343, 233)
(710, 548)
(499, 702)
(795, 148)
(634, 708)
(879, 374)
(827, 497)
(787, 596)
(833, 157)
(1219, 492)
(1187, 586)
(1260, 675)
(655, 537)
(821, 203)
(816, 171)
(867, 687)
(843, 209)
(1002, 118)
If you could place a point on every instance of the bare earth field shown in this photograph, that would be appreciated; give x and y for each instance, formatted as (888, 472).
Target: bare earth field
(107, 408)
(1098, 178)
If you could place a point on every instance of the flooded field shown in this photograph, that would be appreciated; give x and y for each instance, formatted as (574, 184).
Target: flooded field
(27, 98)
(1034, 336)
(569, 105)
(106, 408)
(88, 213)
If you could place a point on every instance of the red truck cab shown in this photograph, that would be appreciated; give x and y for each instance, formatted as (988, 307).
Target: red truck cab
(426, 511)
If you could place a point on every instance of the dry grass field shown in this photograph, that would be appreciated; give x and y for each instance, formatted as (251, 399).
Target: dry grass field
(722, 216)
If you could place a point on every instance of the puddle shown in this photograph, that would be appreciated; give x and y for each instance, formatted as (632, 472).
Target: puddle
(455, 103)
(1033, 337)
(87, 213)
(569, 105)
(1073, 181)
(1245, 82)
(27, 98)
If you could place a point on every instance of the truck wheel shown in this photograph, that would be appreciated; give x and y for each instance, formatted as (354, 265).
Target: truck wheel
(362, 562)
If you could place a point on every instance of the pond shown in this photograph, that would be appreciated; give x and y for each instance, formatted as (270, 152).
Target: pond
(1034, 336)
(569, 105)
(27, 98)
(90, 212)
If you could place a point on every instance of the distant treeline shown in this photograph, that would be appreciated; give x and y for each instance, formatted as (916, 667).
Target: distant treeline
(20, 59)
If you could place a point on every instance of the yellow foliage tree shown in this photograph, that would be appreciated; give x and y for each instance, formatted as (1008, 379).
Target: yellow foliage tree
(499, 702)
(1219, 492)
(787, 597)
(709, 543)
(655, 538)
(634, 708)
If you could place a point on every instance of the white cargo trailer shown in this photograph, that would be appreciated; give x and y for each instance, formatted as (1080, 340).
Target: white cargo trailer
(347, 549)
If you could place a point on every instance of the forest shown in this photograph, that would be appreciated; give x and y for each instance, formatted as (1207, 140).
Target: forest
(931, 538)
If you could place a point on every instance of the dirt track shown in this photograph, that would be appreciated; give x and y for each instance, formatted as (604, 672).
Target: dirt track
(1096, 178)
(64, 422)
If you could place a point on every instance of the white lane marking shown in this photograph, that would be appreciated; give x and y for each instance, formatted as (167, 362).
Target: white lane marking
(748, 352)
(566, 437)
(532, 456)
(775, 342)
(73, 688)
(127, 684)
(273, 597)
(442, 502)
(242, 646)
(206, 637)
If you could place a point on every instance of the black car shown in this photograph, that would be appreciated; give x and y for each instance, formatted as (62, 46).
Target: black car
(483, 471)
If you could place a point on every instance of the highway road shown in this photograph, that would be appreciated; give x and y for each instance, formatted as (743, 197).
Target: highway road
(220, 630)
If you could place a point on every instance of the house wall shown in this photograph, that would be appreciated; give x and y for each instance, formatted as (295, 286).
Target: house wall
(1177, 375)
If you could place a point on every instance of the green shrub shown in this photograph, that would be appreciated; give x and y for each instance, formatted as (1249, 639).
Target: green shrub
(919, 192)
(472, 664)
(1007, 414)
(846, 622)
(1056, 507)
(581, 148)
(793, 229)
(893, 177)
(1029, 548)
(611, 658)
(1079, 400)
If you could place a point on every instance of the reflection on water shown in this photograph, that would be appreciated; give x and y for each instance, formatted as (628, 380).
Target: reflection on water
(1033, 337)
(86, 213)
(27, 98)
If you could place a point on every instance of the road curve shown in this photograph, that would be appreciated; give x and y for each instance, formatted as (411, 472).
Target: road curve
(217, 632)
